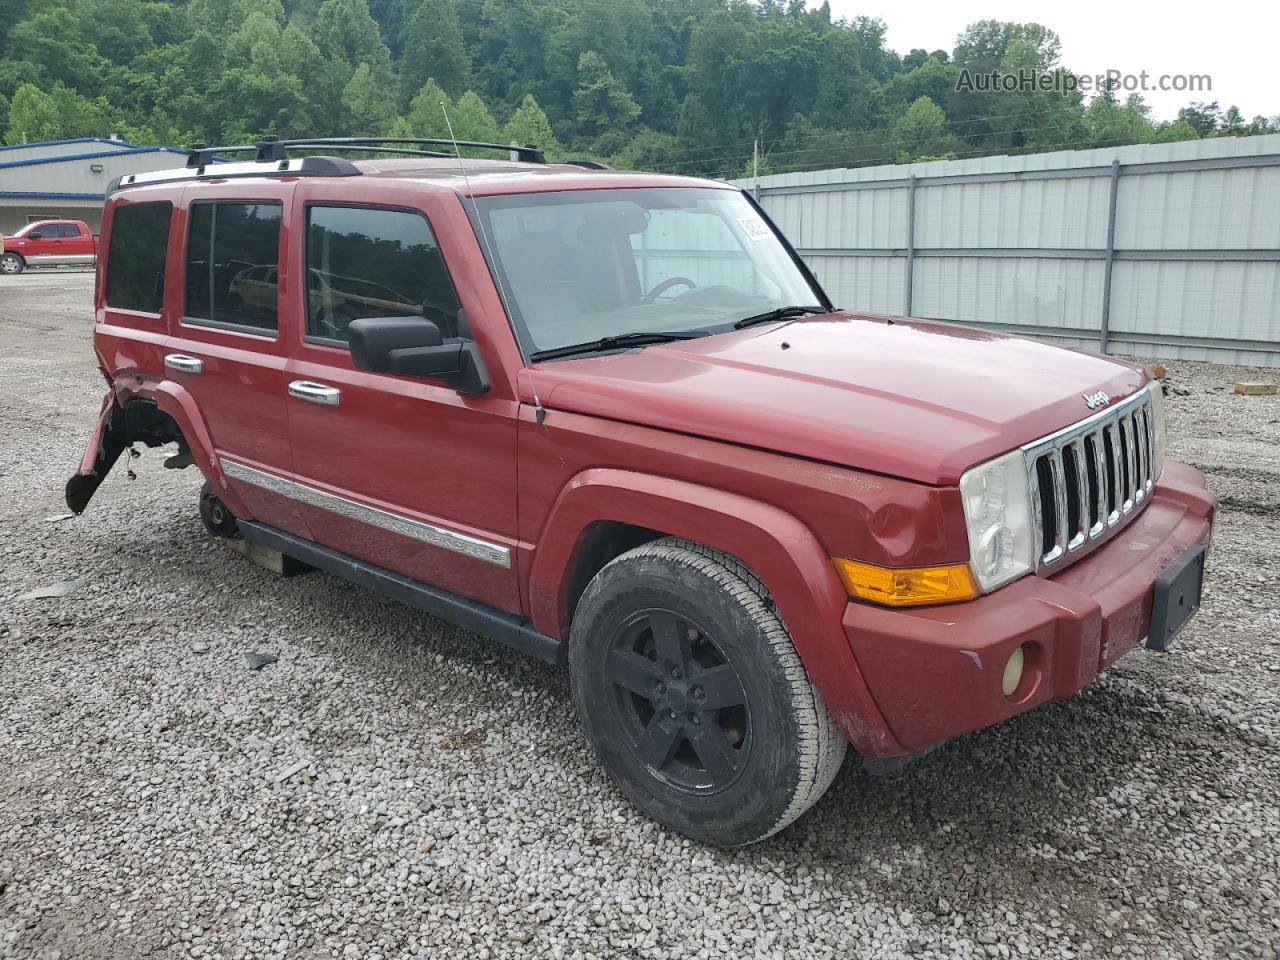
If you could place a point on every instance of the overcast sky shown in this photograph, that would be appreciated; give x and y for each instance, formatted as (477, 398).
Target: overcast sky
(1232, 41)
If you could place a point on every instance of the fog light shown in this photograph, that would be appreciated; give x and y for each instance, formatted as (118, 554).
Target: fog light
(1013, 672)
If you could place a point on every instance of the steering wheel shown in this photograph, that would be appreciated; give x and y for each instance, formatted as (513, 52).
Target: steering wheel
(666, 285)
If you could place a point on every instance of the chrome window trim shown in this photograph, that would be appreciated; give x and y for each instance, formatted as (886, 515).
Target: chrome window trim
(395, 523)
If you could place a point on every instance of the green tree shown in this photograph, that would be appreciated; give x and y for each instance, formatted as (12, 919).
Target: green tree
(600, 102)
(922, 132)
(425, 117)
(653, 150)
(370, 100)
(472, 121)
(1112, 124)
(33, 115)
(530, 125)
(1204, 118)
(344, 31)
(433, 47)
(1175, 131)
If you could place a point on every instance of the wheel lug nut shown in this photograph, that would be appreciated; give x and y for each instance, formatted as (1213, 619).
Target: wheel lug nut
(698, 693)
(675, 673)
(661, 687)
(671, 714)
(695, 718)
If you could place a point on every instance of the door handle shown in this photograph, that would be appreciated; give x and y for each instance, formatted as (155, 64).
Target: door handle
(180, 361)
(319, 393)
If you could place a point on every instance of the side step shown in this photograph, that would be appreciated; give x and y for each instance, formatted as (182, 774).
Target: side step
(489, 622)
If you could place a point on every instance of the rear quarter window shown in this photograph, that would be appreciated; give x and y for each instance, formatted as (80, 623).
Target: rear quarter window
(136, 256)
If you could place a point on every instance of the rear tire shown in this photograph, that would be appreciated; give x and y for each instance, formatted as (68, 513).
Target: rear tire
(11, 263)
(694, 697)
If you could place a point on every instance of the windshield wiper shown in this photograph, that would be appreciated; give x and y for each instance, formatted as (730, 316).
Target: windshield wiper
(640, 339)
(781, 313)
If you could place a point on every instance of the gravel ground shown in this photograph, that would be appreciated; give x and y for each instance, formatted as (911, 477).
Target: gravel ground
(394, 787)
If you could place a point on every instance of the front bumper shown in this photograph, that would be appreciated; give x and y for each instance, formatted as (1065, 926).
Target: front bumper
(936, 672)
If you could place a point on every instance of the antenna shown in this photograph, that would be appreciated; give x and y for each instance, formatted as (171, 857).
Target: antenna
(539, 413)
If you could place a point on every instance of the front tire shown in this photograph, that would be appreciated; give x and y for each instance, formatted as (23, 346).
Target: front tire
(694, 697)
(11, 263)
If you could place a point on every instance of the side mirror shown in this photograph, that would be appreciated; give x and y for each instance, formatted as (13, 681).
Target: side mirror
(414, 347)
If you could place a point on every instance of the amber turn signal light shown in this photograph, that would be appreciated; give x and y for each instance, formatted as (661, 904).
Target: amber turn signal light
(906, 586)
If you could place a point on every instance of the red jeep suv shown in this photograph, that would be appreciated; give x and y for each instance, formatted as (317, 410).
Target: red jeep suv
(612, 420)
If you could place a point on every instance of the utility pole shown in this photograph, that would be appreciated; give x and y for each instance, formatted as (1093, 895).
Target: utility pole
(755, 170)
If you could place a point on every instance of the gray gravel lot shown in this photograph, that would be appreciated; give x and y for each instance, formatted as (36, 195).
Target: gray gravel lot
(394, 787)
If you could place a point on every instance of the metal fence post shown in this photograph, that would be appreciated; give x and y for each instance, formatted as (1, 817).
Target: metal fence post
(1104, 330)
(911, 246)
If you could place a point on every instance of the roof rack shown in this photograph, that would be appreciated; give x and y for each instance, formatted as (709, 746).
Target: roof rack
(272, 149)
(270, 157)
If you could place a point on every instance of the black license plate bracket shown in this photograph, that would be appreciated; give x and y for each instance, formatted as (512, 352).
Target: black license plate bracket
(1176, 597)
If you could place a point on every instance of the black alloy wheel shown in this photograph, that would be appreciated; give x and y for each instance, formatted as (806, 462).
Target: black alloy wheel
(681, 702)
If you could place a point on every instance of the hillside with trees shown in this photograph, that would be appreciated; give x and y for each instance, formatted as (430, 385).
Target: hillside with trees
(679, 85)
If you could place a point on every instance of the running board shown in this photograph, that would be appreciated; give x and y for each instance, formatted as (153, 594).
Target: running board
(489, 622)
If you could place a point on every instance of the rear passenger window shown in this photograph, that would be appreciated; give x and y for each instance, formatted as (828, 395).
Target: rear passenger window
(135, 256)
(232, 254)
(366, 262)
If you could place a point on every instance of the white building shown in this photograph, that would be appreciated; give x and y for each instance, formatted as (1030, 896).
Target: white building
(67, 179)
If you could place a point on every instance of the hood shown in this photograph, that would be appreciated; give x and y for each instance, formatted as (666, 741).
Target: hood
(917, 399)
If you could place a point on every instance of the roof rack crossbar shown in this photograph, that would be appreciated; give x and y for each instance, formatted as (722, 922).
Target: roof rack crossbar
(360, 148)
(201, 155)
(272, 149)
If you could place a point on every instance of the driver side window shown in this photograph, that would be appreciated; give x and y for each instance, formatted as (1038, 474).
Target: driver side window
(374, 262)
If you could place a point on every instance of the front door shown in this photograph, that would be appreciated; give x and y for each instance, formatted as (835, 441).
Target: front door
(405, 473)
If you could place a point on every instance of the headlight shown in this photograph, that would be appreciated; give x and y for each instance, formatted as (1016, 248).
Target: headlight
(997, 512)
(1156, 389)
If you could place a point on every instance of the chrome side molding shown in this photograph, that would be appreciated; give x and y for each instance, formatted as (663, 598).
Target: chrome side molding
(428, 533)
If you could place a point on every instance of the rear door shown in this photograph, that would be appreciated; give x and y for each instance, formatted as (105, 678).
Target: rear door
(77, 244)
(405, 473)
(227, 346)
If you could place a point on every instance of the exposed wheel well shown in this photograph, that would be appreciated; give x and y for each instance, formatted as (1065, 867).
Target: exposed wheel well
(599, 543)
(139, 421)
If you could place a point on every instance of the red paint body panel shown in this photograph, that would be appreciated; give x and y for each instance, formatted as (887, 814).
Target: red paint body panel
(936, 672)
(781, 549)
(37, 244)
(906, 398)
(842, 434)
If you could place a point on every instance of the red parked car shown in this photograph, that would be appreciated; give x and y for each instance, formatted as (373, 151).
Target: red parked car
(49, 243)
(611, 419)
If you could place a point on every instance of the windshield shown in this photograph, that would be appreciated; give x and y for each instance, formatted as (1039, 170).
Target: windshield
(578, 266)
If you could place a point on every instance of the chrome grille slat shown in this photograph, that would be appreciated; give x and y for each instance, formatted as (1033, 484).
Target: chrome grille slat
(1100, 472)
(1130, 443)
(1118, 507)
(1059, 483)
(1081, 494)
(1117, 444)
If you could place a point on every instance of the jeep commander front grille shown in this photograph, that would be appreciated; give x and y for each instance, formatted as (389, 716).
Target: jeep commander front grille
(1091, 478)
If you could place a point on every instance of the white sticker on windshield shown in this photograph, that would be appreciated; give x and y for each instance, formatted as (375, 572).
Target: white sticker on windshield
(754, 228)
